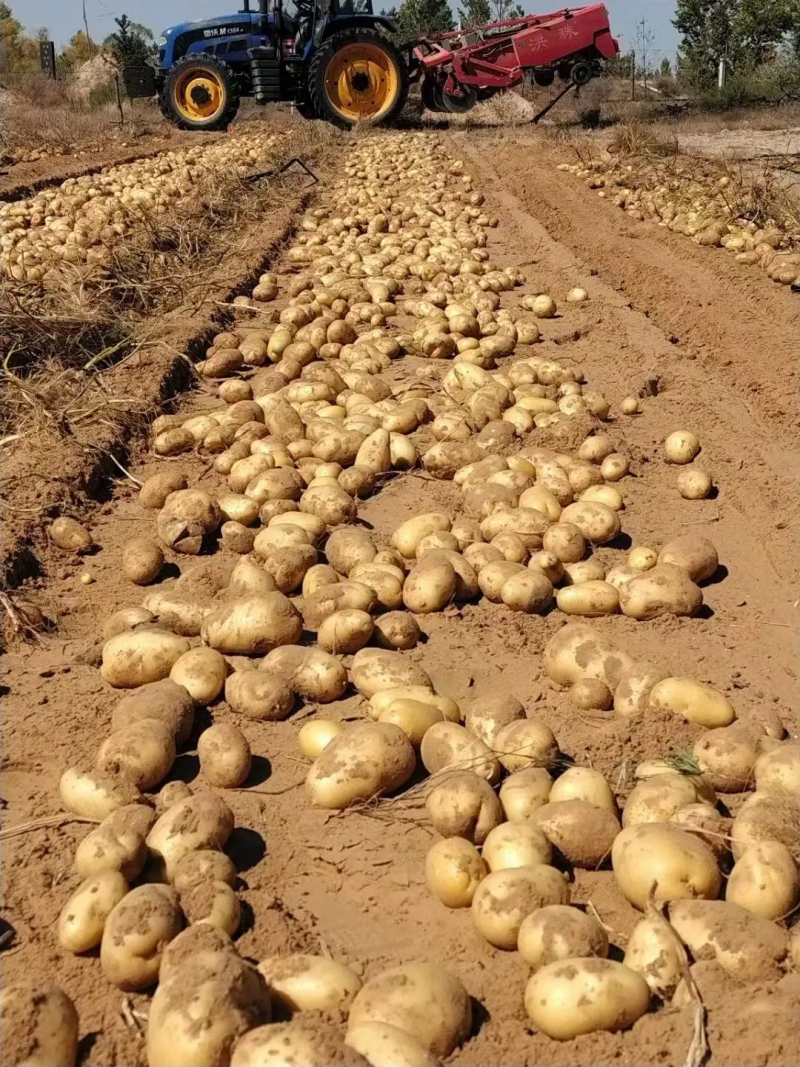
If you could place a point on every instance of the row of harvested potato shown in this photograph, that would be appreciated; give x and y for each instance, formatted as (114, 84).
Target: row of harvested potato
(77, 221)
(242, 610)
(711, 209)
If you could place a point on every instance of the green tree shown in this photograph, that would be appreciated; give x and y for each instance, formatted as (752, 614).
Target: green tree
(132, 43)
(505, 9)
(420, 18)
(78, 51)
(19, 53)
(475, 13)
(665, 68)
(746, 32)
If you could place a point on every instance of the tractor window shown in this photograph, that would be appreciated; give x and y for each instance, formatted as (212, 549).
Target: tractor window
(355, 7)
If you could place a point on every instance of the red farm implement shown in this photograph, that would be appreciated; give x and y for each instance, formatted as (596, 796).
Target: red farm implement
(459, 69)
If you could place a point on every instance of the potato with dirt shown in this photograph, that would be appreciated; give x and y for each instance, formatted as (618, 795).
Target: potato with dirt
(303, 982)
(364, 761)
(135, 933)
(39, 1025)
(420, 999)
(560, 932)
(83, 917)
(252, 626)
(504, 898)
(581, 996)
(201, 821)
(224, 755)
(147, 654)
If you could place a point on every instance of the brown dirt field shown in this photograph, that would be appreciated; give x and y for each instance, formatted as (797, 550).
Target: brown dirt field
(722, 342)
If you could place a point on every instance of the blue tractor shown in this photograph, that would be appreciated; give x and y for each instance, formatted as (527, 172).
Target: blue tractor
(333, 59)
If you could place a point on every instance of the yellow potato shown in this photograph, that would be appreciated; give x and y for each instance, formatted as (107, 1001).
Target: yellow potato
(582, 996)
(453, 870)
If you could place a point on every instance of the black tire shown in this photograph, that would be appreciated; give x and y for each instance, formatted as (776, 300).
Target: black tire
(221, 72)
(582, 73)
(459, 105)
(428, 95)
(544, 77)
(318, 95)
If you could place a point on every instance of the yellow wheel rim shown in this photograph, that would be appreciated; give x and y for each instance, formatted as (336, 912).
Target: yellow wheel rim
(361, 82)
(199, 95)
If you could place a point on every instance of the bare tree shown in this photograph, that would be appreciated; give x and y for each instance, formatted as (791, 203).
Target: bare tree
(644, 46)
(86, 25)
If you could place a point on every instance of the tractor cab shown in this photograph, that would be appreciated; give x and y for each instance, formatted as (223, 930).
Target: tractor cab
(333, 59)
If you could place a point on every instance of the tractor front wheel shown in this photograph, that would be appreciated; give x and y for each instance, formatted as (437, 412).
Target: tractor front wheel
(200, 93)
(357, 75)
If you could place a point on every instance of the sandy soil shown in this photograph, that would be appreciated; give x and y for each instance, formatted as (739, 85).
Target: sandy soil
(722, 344)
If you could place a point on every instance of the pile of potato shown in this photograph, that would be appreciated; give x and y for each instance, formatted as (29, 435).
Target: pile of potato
(77, 221)
(698, 202)
(284, 599)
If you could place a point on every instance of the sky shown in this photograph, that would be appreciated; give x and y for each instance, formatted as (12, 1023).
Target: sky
(64, 17)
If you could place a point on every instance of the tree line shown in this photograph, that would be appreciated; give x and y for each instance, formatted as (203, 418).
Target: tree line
(131, 42)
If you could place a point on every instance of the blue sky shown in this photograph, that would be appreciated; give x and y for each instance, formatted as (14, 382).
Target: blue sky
(63, 17)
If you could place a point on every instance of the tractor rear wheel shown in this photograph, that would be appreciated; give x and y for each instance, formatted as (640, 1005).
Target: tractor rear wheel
(459, 105)
(357, 75)
(200, 93)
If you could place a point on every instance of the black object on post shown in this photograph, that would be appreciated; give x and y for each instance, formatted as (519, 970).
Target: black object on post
(47, 58)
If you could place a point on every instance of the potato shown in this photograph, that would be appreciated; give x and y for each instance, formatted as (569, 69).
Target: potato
(207, 998)
(447, 746)
(524, 792)
(310, 672)
(126, 619)
(135, 933)
(142, 560)
(598, 523)
(317, 606)
(696, 555)
(572, 651)
(632, 694)
(188, 520)
(158, 487)
(414, 717)
(310, 983)
(81, 922)
(396, 630)
(529, 591)
(656, 953)
(565, 541)
(727, 758)
(516, 844)
(314, 736)
(559, 932)
(259, 695)
(224, 754)
(708, 824)
(681, 447)
(141, 656)
(249, 579)
(373, 669)
(345, 632)
(590, 599)
(693, 701)
(380, 1043)
(583, 996)
(453, 871)
(201, 867)
(584, 783)
(614, 467)
(419, 999)
(142, 752)
(764, 817)
(202, 821)
(464, 805)
(318, 577)
(590, 694)
(746, 946)
(348, 547)
(694, 483)
(202, 673)
(777, 771)
(364, 761)
(214, 903)
(657, 798)
(252, 625)
(407, 536)
(678, 862)
(489, 713)
(765, 880)
(664, 590)
(39, 1024)
(95, 794)
(69, 535)
(525, 743)
(430, 586)
(112, 847)
(171, 793)
(504, 898)
(586, 570)
(581, 832)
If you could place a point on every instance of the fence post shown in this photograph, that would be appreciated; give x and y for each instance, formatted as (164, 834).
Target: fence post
(722, 75)
(633, 74)
(119, 101)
